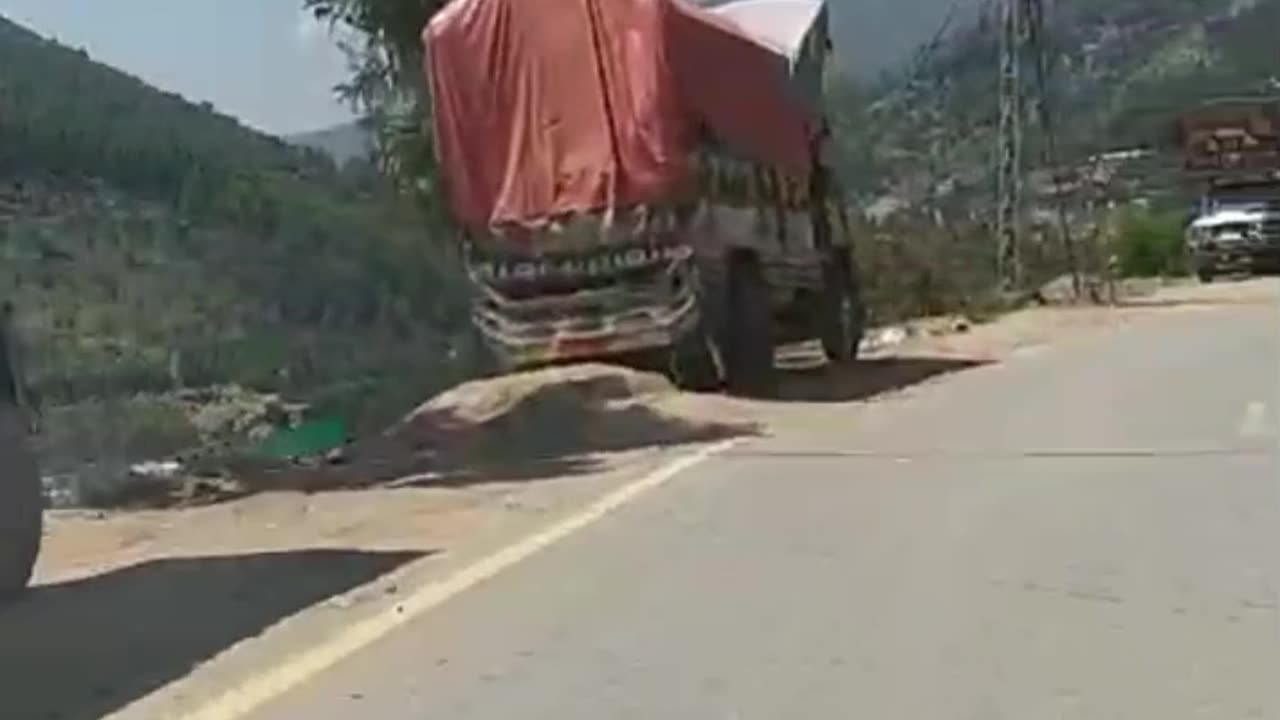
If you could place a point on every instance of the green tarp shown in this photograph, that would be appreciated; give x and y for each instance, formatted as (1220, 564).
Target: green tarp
(312, 438)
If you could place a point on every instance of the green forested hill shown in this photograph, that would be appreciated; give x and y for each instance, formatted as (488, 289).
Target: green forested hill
(1117, 74)
(65, 114)
(918, 149)
(149, 243)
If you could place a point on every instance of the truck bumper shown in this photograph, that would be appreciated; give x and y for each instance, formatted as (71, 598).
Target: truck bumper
(592, 324)
(1238, 259)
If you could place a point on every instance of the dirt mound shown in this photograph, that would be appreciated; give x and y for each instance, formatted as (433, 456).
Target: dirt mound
(553, 410)
(574, 387)
(1095, 289)
(546, 421)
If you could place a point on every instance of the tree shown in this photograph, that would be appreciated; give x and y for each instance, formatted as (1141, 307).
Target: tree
(382, 40)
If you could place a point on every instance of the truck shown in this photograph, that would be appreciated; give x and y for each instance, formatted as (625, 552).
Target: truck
(21, 494)
(645, 179)
(1231, 151)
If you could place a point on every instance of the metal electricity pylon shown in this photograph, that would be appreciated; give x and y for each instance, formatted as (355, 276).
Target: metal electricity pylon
(1009, 216)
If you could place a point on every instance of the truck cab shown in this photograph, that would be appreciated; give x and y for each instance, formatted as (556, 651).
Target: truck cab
(1231, 150)
(1237, 228)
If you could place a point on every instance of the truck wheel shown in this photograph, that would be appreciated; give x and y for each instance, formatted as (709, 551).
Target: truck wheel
(21, 505)
(749, 366)
(1205, 275)
(841, 315)
(694, 362)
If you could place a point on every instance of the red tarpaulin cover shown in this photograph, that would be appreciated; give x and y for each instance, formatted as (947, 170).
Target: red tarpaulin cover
(557, 106)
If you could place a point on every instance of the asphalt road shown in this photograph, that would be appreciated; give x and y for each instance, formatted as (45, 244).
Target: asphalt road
(1088, 532)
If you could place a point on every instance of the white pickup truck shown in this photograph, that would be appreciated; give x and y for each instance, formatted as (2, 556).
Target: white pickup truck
(1231, 147)
(1237, 230)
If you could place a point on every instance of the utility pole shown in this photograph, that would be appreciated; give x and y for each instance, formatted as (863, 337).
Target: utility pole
(1009, 150)
(1035, 32)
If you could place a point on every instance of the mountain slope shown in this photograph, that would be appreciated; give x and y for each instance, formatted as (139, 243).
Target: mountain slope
(872, 36)
(1118, 73)
(149, 242)
(345, 142)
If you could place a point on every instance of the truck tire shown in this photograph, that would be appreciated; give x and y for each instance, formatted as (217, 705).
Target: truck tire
(21, 505)
(748, 337)
(695, 364)
(841, 315)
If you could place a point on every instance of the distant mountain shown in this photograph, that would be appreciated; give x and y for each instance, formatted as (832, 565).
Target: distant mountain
(871, 36)
(343, 142)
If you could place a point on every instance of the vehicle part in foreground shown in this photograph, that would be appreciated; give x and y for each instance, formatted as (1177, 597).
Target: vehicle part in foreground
(21, 494)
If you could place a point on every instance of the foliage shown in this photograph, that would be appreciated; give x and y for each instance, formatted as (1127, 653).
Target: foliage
(382, 39)
(912, 267)
(1149, 243)
(151, 244)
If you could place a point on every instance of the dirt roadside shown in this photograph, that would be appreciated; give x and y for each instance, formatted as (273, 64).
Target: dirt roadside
(129, 603)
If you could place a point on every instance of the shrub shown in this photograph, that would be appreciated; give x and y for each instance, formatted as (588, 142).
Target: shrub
(1149, 243)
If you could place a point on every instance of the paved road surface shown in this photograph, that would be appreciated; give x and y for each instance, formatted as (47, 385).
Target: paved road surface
(1090, 532)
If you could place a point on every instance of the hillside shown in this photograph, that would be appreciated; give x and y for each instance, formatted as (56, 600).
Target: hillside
(151, 245)
(342, 143)
(917, 149)
(874, 36)
(1117, 72)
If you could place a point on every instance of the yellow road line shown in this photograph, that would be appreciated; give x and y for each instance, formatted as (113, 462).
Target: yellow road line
(306, 665)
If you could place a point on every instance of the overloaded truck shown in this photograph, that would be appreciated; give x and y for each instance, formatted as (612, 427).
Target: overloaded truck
(21, 497)
(644, 178)
(1231, 150)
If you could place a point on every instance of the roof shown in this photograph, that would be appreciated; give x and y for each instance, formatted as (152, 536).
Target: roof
(782, 25)
(796, 30)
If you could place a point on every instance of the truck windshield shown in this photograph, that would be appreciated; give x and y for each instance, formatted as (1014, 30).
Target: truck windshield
(1241, 203)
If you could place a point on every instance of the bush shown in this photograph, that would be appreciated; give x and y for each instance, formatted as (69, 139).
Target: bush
(1150, 243)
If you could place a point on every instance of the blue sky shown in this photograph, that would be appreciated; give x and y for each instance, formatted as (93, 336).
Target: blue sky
(264, 61)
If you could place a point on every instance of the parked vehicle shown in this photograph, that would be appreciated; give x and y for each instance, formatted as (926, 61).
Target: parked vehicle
(1231, 148)
(1236, 230)
(644, 177)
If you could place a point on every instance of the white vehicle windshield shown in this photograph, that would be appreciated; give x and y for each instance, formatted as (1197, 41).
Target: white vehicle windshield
(1241, 203)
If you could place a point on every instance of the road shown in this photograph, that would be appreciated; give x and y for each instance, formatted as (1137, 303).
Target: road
(1091, 531)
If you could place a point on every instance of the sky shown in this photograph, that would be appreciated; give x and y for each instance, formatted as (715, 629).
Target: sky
(264, 61)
